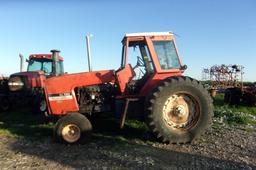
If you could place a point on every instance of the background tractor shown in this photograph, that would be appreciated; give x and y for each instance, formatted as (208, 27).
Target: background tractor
(4, 100)
(149, 83)
(26, 87)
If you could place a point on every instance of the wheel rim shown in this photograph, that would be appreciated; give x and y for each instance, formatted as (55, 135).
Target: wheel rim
(71, 133)
(181, 111)
(42, 106)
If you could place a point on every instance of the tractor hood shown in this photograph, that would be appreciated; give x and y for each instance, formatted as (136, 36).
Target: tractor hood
(26, 80)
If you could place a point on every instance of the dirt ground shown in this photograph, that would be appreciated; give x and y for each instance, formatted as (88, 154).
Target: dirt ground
(222, 147)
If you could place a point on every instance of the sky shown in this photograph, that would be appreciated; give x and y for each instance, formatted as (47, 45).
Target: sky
(208, 32)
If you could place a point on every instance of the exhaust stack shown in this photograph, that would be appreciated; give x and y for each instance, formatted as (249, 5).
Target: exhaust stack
(21, 63)
(55, 59)
(88, 52)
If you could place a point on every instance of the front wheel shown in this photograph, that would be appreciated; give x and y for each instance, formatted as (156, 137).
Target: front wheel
(72, 128)
(4, 104)
(40, 105)
(179, 110)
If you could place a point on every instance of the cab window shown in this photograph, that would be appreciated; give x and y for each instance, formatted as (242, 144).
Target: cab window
(44, 65)
(167, 55)
(140, 59)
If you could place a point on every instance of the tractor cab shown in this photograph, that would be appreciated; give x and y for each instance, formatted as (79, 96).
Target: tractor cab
(44, 62)
(145, 56)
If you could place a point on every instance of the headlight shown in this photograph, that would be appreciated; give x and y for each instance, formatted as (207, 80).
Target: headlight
(15, 83)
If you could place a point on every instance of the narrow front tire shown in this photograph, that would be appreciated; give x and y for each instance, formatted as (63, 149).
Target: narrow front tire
(72, 128)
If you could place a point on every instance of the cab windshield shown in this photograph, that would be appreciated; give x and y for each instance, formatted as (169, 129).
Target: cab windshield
(44, 65)
(167, 55)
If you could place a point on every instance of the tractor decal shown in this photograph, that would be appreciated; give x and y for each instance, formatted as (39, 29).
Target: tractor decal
(64, 96)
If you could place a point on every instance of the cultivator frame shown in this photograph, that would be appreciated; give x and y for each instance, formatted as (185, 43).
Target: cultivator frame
(224, 76)
(229, 79)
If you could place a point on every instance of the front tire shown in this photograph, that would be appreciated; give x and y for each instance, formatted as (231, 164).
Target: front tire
(40, 105)
(179, 110)
(4, 104)
(72, 128)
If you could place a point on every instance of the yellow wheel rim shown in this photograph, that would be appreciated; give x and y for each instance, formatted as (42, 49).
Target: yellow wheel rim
(71, 133)
(181, 111)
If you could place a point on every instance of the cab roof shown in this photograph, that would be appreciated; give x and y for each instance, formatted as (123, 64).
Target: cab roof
(148, 34)
(43, 56)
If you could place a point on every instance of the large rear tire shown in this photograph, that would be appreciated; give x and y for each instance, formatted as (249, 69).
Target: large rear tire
(72, 128)
(179, 110)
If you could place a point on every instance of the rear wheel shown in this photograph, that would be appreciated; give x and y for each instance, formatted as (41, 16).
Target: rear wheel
(179, 110)
(72, 128)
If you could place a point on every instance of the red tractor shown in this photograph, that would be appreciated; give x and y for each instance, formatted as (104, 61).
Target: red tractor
(176, 108)
(26, 87)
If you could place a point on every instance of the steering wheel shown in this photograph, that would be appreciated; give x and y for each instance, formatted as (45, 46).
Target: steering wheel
(45, 70)
(140, 62)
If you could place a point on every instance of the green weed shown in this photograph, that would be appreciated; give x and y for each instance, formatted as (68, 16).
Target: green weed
(235, 114)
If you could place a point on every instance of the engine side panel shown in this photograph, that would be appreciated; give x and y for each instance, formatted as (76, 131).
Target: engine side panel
(96, 98)
(60, 93)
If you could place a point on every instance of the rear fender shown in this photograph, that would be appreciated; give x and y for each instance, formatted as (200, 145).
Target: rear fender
(154, 80)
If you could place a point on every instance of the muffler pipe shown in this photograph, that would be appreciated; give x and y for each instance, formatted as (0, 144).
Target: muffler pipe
(55, 59)
(21, 63)
(88, 52)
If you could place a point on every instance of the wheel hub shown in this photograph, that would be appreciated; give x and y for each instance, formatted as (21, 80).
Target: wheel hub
(179, 110)
(71, 133)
